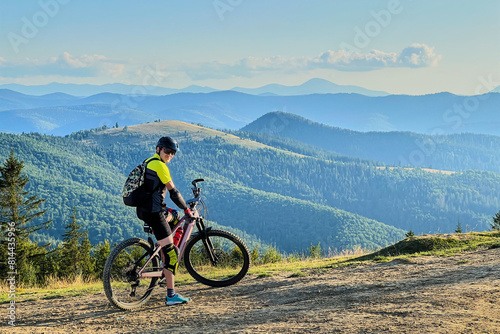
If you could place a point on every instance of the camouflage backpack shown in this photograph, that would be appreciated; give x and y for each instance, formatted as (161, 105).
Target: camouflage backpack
(133, 191)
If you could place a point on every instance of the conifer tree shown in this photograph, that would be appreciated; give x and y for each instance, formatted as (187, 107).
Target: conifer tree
(18, 211)
(459, 227)
(75, 252)
(85, 259)
(496, 222)
(99, 256)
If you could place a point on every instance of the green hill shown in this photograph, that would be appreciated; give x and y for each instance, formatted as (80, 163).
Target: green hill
(449, 152)
(272, 195)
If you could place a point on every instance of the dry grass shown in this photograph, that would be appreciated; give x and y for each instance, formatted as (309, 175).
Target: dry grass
(53, 288)
(357, 251)
(181, 130)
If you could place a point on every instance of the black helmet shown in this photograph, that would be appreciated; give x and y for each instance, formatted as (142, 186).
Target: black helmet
(168, 142)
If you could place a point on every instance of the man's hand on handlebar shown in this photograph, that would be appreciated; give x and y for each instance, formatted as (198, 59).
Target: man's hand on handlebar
(188, 213)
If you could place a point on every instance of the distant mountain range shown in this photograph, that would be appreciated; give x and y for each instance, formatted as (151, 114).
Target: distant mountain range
(61, 114)
(83, 90)
(445, 152)
(313, 86)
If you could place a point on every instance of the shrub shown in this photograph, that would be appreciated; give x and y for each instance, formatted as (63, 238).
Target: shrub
(315, 252)
(271, 256)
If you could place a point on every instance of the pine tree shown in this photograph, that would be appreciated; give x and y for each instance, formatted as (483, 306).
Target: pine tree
(85, 260)
(410, 234)
(18, 211)
(99, 256)
(496, 222)
(75, 251)
(255, 254)
(69, 250)
(459, 227)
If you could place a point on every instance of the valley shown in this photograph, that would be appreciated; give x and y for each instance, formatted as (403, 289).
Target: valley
(290, 185)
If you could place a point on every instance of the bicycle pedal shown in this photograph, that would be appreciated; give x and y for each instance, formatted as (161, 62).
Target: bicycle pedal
(162, 283)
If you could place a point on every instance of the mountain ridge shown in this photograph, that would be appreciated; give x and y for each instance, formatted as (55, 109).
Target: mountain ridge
(311, 86)
(448, 152)
(233, 110)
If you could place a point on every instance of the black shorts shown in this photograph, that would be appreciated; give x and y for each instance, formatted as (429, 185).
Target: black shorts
(160, 222)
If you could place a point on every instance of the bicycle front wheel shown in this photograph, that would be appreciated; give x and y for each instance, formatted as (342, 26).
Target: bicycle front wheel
(218, 258)
(122, 285)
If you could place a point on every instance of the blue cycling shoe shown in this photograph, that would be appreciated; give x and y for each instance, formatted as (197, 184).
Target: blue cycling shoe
(177, 299)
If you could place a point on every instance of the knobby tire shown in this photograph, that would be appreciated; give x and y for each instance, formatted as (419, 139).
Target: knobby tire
(232, 258)
(120, 274)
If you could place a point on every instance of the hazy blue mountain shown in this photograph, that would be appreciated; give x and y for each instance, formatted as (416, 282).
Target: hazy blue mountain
(67, 119)
(10, 100)
(437, 113)
(83, 90)
(448, 152)
(313, 86)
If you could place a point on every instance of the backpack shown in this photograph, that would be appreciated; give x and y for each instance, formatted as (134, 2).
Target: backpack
(134, 192)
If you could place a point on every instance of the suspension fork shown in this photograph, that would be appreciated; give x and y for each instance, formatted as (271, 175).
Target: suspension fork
(209, 247)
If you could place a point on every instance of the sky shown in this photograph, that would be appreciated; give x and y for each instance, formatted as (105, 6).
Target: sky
(401, 47)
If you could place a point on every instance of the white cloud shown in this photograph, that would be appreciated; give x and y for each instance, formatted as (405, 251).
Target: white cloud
(99, 66)
(418, 55)
(63, 65)
(413, 56)
(276, 62)
(345, 61)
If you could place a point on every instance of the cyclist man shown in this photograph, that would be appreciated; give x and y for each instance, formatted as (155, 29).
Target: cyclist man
(153, 211)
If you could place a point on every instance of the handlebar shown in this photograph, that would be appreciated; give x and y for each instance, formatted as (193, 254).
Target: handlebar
(197, 201)
(195, 189)
(196, 181)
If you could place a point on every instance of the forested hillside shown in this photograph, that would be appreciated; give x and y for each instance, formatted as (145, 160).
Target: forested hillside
(454, 152)
(289, 199)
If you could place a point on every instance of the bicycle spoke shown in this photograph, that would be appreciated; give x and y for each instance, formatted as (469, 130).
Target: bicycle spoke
(219, 261)
(122, 284)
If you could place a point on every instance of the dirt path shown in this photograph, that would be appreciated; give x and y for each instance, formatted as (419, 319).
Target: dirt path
(459, 294)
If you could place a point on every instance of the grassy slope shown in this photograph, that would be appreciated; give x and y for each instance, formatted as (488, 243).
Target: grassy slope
(180, 131)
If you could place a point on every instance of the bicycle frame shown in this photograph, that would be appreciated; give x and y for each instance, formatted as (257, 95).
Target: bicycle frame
(188, 229)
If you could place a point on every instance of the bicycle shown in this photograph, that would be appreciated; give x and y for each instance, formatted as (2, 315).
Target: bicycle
(215, 258)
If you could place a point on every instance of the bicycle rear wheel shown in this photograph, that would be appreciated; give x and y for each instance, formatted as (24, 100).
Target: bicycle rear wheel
(122, 285)
(219, 259)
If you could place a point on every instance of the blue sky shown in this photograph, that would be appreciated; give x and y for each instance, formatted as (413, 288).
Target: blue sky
(402, 47)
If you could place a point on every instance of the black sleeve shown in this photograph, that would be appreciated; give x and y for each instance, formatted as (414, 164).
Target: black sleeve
(177, 198)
